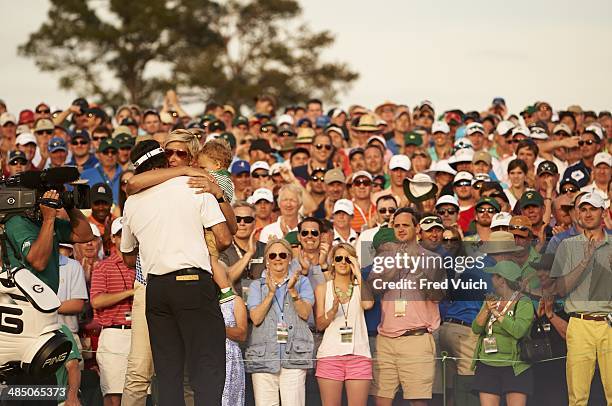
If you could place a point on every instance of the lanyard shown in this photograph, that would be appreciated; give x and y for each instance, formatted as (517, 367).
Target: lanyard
(348, 305)
(492, 319)
(280, 308)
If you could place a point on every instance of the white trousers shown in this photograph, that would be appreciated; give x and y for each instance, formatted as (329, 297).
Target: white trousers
(291, 383)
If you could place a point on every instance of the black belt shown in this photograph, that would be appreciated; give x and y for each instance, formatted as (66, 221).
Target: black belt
(457, 321)
(416, 332)
(587, 316)
(119, 326)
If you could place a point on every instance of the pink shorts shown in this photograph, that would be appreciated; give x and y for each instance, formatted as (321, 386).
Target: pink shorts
(344, 367)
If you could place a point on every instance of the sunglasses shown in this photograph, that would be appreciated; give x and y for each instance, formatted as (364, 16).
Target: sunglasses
(260, 175)
(378, 184)
(490, 210)
(268, 130)
(362, 182)
(339, 258)
(179, 153)
(431, 221)
(79, 142)
(314, 233)
(519, 228)
(385, 210)
(98, 138)
(246, 219)
(317, 178)
(285, 135)
(450, 212)
(477, 186)
(18, 162)
(587, 142)
(463, 183)
(110, 151)
(328, 147)
(568, 190)
(282, 255)
(44, 132)
(450, 240)
(43, 111)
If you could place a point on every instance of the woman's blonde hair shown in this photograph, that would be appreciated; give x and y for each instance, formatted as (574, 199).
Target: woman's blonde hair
(188, 138)
(424, 151)
(330, 257)
(280, 241)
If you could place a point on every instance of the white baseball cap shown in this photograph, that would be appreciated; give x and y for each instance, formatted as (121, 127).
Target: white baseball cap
(360, 174)
(538, 133)
(284, 119)
(344, 205)
(400, 161)
(261, 194)
(441, 166)
(504, 126)
(594, 199)
(520, 130)
(117, 225)
(275, 168)
(463, 175)
(463, 155)
(473, 128)
(501, 219)
(26, 138)
(440, 127)
(463, 143)
(595, 129)
(602, 158)
(447, 199)
(260, 165)
(379, 138)
(562, 128)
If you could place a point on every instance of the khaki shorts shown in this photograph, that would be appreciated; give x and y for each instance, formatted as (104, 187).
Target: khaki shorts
(407, 361)
(113, 350)
(459, 342)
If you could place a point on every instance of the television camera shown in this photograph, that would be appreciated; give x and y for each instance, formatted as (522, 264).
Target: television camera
(30, 338)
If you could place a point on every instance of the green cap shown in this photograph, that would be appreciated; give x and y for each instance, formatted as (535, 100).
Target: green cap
(107, 143)
(124, 141)
(240, 120)
(531, 198)
(529, 110)
(383, 235)
(506, 269)
(413, 138)
(292, 238)
(229, 137)
(209, 117)
(488, 200)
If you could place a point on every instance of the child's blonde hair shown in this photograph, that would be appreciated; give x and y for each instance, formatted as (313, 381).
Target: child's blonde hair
(218, 150)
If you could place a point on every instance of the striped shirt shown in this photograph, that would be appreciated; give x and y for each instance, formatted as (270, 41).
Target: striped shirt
(224, 180)
(112, 276)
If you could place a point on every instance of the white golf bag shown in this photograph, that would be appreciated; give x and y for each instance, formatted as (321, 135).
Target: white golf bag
(30, 338)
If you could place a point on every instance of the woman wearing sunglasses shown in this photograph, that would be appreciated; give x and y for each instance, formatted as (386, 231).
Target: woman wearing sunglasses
(280, 347)
(344, 357)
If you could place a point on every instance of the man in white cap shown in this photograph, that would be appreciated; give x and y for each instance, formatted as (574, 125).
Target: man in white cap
(602, 174)
(342, 217)
(399, 169)
(462, 186)
(443, 142)
(447, 208)
(582, 269)
(263, 200)
(260, 175)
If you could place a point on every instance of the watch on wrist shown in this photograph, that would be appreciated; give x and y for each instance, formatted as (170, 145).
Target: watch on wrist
(221, 199)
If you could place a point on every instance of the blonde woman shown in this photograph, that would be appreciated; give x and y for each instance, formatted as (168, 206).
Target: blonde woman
(344, 357)
(420, 160)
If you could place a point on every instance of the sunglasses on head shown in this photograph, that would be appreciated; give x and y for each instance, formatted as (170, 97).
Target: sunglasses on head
(362, 182)
(110, 151)
(328, 147)
(281, 255)
(385, 210)
(260, 175)
(490, 210)
(305, 233)
(79, 142)
(43, 111)
(246, 219)
(44, 132)
(339, 258)
(587, 142)
(450, 212)
(568, 190)
(179, 153)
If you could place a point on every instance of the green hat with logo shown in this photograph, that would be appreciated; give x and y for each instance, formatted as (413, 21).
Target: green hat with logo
(229, 137)
(488, 200)
(124, 141)
(531, 198)
(506, 269)
(413, 138)
(292, 238)
(383, 235)
(107, 143)
(240, 120)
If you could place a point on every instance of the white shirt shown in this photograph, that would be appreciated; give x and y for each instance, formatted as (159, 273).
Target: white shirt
(71, 286)
(351, 240)
(273, 230)
(167, 222)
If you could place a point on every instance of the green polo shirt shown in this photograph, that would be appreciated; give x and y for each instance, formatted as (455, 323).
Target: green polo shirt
(528, 272)
(592, 293)
(23, 232)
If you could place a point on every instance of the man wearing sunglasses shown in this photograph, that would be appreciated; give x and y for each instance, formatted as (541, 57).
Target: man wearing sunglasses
(260, 175)
(486, 208)
(321, 152)
(82, 157)
(263, 201)
(430, 231)
(591, 142)
(447, 207)
(17, 163)
(462, 186)
(107, 170)
(385, 207)
(361, 190)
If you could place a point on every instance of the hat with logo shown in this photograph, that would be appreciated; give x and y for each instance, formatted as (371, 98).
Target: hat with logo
(260, 165)
(97, 112)
(420, 188)
(571, 181)
(229, 138)
(474, 128)
(440, 127)
(322, 121)
(413, 138)
(500, 219)
(44, 124)
(562, 128)
(6, 118)
(490, 201)
(463, 143)
(594, 199)
(506, 269)
(520, 225)
(399, 162)
(240, 120)
(504, 127)
(124, 141)
(261, 194)
(101, 192)
(447, 199)
(383, 235)
(531, 198)
(129, 122)
(116, 225)
(107, 143)
(57, 144)
(547, 167)
(596, 130)
(521, 131)
(482, 156)
(80, 134)
(429, 222)
(344, 205)
(538, 133)
(25, 139)
(602, 158)
(17, 155)
(334, 175)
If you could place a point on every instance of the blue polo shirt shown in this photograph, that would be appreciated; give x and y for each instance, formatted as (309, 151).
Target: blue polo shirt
(372, 316)
(96, 175)
(90, 163)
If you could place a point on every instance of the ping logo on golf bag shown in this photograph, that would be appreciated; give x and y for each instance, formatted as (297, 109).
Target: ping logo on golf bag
(54, 360)
(8, 324)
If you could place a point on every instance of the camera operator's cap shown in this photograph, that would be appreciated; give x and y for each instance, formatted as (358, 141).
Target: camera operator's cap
(501, 219)
(440, 127)
(531, 198)
(419, 188)
(95, 230)
(506, 269)
(602, 158)
(6, 118)
(400, 162)
(261, 194)
(594, 129)
(547, 167)
(383, 235)
(101, 192)
(260, 165)
(80, 134)
(474, 128)
(344, 205)
(117, 225)
(488, 200)
(463, 143)
(520, 225)
(44, 124)
(594, 199)
(429, 222)
(25, 139)
(520, 130)
(334, 175)
(240, 166)
(482, 156)
(447, 199)
(504, 127)
(413, 138)
(57, 144)
(107, 143)
(463, 175)
(15, 155)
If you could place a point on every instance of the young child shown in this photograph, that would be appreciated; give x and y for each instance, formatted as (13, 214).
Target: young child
(216, 156)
